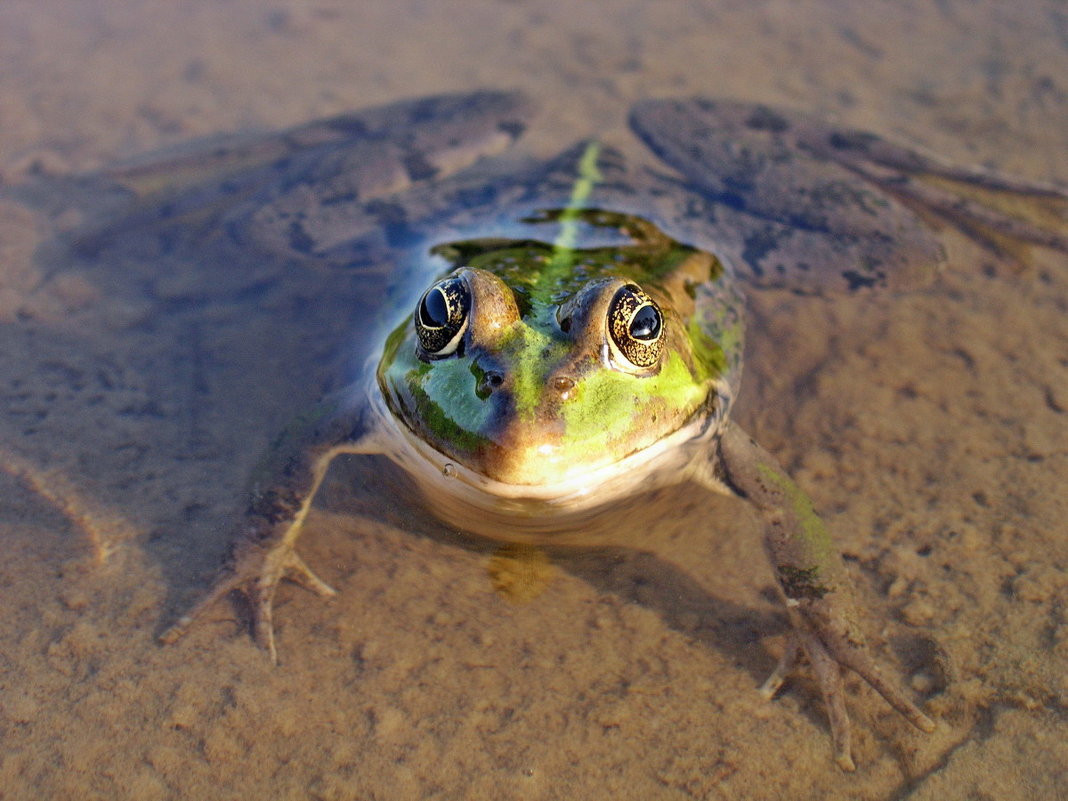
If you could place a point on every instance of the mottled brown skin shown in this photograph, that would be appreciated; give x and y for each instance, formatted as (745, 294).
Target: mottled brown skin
(797, 203)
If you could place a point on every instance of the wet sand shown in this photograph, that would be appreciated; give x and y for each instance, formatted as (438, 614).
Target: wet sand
(930, 429)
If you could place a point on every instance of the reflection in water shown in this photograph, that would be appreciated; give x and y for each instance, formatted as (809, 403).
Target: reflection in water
(519, 572)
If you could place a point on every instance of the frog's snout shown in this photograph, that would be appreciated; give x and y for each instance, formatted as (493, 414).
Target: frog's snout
(495, 380)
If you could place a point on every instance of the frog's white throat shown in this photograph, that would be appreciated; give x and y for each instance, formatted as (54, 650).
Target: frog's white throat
(464, 498)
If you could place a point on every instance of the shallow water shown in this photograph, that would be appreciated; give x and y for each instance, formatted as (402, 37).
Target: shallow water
(930, 429)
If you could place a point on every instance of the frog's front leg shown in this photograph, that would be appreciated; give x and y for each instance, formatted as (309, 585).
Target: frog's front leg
(814, 581)
(263, 546)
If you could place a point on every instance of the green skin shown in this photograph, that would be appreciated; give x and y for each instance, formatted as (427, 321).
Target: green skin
(607, 412)
(556, 407)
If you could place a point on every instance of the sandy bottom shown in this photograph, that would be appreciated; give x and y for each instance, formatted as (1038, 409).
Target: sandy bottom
(929, 428)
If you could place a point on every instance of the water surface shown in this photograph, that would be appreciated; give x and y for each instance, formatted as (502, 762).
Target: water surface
(930, 429)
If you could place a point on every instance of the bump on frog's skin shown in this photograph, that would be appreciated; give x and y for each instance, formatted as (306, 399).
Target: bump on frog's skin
(794, 203)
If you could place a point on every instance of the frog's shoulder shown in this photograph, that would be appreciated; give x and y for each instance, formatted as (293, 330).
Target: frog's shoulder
(802, 204)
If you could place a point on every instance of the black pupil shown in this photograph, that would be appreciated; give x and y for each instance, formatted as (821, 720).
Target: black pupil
(435, 310)
(645, 324)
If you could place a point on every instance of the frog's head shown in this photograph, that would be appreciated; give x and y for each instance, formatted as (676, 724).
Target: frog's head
(533, 372)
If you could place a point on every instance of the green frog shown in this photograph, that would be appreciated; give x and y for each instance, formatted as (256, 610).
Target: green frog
(567, 333)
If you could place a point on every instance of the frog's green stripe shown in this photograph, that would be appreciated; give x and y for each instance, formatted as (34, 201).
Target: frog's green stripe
(588, 176)
(530, 366)
(533, 352)
(563, 257)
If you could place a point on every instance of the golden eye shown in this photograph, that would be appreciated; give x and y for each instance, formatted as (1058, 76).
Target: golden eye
(441, 317)
(636, 327)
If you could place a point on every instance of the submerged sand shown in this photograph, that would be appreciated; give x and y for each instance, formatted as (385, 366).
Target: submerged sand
(930, 429)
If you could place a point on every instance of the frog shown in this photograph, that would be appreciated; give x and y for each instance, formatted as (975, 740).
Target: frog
(562, 333)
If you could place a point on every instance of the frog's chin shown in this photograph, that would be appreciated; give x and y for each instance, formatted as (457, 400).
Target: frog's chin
(549, 510)
(525, 463)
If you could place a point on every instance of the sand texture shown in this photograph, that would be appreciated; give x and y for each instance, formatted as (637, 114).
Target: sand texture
(930, 428)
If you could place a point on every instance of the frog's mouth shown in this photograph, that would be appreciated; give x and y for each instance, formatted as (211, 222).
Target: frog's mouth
(536, 455)
(549, 487)
(547, 425)
(549, 440)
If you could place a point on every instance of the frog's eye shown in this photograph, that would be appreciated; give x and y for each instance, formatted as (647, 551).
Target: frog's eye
(635, 327)
(441, 317)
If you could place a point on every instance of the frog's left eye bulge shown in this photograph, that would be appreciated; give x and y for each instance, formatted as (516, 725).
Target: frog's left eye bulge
(636, 327)
(441, 317)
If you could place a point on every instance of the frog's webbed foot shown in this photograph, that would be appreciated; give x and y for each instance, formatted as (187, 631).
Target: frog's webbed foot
(827, 658)
(817, 588)
(263, 549)
(258, 577)
(286, 564)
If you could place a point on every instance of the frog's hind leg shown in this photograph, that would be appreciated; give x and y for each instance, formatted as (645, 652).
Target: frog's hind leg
(801, 204)
(105, 528)
(1005, 216)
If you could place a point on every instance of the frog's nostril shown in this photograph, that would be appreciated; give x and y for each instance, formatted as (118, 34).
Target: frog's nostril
(489, 382)
(563, 384)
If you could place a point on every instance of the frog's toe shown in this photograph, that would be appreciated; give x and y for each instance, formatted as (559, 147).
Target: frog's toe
(790, 657)
(262, 597)
(261, 594)
(860, 661)
(258, 577)
(223, 586)
(829, 676)
(828, 656)
(297, 570)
